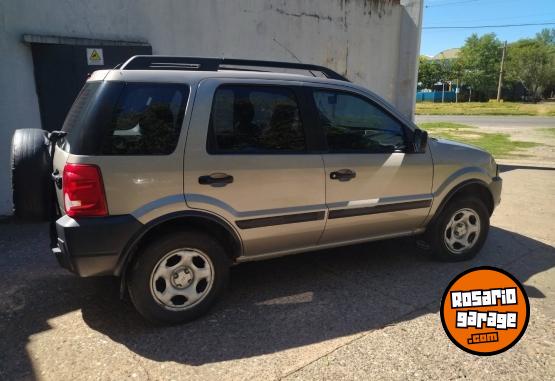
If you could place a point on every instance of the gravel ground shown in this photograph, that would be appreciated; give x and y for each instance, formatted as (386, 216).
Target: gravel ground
(523, 128)
(361, 312)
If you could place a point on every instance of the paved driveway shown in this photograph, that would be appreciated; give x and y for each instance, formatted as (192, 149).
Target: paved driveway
(363, 312)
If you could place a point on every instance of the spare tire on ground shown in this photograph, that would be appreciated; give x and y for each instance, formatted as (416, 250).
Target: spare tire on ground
(31, 174)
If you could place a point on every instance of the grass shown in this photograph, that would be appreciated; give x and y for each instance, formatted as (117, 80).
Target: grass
(549, 131)
(486, 108)
(498, 144)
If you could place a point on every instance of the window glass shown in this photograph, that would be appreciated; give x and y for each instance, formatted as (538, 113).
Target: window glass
(353, 124)
(147, 120)
(255, 119)
(80, 107)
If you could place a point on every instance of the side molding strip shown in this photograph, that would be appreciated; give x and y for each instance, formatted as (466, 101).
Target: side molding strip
(342, 213)
(280, 220)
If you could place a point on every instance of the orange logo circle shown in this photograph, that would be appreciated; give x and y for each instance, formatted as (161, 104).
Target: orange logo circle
(485, 311)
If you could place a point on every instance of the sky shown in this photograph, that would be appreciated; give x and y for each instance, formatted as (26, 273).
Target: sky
(481, 12)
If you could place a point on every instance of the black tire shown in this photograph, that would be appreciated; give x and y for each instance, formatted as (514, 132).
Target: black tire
(31, 175)
(139, 283)
(438, 230)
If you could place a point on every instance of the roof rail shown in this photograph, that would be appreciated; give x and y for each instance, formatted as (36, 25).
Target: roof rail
(214, 64)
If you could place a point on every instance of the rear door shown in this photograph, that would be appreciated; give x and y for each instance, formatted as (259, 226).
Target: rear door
(374, 186)
(249, 159)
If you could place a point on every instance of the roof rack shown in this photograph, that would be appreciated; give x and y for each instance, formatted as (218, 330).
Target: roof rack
(214, 64)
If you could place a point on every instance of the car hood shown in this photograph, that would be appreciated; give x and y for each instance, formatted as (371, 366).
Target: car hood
(454, 145)
(455, 154)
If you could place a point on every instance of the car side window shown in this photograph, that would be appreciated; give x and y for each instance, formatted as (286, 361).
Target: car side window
(255, 119)
(353, 124)
(147, 120)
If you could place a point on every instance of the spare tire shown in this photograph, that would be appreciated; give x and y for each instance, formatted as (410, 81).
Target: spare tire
(31, 174)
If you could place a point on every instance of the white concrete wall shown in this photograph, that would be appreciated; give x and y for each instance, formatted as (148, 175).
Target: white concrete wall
(373, 42)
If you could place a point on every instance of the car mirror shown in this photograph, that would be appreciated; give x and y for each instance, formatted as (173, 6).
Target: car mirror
(420, 141)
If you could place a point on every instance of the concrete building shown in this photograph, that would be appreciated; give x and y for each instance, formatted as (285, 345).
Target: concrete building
(47, 47)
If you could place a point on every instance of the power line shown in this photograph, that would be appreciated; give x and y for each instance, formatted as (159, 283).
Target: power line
(449, 3)
(487, 26)
(520, 17)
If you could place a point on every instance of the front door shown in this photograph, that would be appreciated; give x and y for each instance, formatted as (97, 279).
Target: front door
(248, 159)
(374, 186)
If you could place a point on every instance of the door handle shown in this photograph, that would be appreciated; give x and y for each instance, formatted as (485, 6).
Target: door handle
(343, 175)
(216, 179)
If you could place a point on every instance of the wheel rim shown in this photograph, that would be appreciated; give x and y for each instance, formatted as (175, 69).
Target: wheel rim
(462, 231)
(182, 279)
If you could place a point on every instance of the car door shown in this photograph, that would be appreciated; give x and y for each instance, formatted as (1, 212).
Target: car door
(248, 160)
(375, 187)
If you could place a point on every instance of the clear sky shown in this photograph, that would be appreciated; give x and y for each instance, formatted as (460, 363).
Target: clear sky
(481, 12)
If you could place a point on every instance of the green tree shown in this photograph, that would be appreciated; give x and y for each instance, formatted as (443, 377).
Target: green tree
(429, 72)
(480, 58)
(547, 36)
(532, 62)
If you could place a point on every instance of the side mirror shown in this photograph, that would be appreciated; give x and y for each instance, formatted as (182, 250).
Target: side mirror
(420, 141)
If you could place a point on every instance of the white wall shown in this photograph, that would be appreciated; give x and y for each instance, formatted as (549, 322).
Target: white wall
(372, 42)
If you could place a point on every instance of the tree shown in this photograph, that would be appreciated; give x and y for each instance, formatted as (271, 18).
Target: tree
(480, 59)
(429, 72)
(547, 36)
(532, 62)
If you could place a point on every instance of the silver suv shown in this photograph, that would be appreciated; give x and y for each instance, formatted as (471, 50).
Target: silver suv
(168, 170)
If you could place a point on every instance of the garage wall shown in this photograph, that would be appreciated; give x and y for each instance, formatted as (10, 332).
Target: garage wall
(363, 39)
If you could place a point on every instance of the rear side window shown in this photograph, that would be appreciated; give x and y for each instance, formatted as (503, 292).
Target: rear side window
(81, 107)
(255, 119)
(117, 118)
(147, 120)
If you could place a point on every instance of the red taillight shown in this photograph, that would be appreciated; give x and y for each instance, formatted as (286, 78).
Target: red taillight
(83, 191)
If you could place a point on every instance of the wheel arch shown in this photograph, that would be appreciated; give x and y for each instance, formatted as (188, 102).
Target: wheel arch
(213, 224)
(474, 187)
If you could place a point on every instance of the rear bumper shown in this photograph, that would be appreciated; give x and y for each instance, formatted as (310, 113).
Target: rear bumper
(495, 189)
(92, 246)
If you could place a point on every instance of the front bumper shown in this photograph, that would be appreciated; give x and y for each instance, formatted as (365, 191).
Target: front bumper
(92, 246)
(495, 189)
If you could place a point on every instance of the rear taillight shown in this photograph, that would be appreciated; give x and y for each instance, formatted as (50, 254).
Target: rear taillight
(83, 191)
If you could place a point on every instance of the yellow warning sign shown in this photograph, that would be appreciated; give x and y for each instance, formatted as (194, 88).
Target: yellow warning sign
(95, 56)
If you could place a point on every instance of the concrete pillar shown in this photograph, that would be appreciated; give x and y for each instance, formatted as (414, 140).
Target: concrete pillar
(409, 50)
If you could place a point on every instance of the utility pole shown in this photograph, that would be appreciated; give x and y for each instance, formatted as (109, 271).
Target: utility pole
(500, 84)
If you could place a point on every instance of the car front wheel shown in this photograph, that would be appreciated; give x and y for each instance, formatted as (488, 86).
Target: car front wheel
(460, 231)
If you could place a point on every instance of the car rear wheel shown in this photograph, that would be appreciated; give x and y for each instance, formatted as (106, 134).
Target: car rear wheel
(460, 230)
(31, 174)
(178, 277)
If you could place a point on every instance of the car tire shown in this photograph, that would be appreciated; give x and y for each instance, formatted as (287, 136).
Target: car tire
(31, 174)
(460, 230)
(178, 277)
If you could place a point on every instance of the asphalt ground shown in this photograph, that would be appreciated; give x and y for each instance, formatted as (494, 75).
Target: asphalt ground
(360, 312)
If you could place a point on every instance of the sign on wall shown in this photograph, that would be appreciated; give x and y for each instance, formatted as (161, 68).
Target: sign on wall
(95, 56)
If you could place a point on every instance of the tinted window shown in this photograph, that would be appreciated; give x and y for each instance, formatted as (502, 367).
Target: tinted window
(353, 124)
(255, 119)
(81, 106)
(146, 120)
